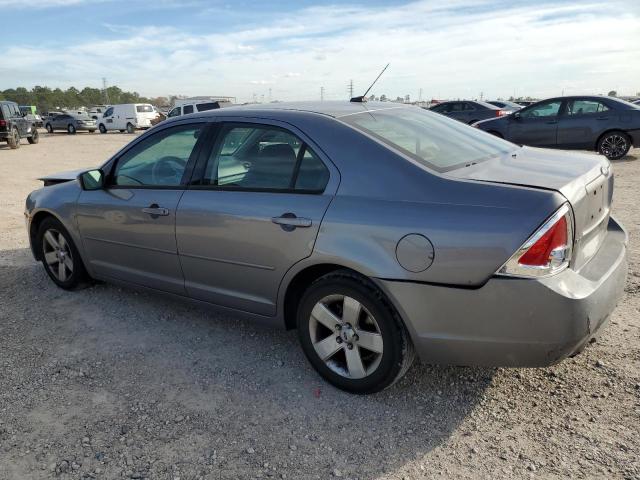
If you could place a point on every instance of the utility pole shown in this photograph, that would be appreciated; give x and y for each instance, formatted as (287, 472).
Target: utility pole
(322, 94)
(481, 95)
(104, 91)
(350, 89)
(420, 96)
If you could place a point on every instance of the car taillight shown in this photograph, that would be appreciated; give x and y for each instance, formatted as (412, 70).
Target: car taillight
(501, 113)
(547, 251)
(3, 123)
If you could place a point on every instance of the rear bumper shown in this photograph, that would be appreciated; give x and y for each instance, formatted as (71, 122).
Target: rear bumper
(515, 322)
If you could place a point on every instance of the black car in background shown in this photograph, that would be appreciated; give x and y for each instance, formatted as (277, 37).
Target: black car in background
(605, 124)
(505, 105)
(14, 125)
(468, 111)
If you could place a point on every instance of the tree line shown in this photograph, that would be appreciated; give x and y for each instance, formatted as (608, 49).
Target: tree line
(47, 99)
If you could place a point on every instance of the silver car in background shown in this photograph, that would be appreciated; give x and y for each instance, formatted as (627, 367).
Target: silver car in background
(70, 123)
(376, 230)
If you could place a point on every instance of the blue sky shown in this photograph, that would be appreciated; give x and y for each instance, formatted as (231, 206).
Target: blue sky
(290, 49)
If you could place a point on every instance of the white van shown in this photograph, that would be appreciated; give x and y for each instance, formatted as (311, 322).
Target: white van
(127, 117)
(185, 107)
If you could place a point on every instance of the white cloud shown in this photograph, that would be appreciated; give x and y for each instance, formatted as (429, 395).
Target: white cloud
(452, 49)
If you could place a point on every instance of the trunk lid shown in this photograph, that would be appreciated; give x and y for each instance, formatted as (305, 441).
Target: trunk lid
(585, 180)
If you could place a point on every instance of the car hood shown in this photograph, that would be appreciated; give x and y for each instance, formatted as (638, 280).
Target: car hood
(61, 177)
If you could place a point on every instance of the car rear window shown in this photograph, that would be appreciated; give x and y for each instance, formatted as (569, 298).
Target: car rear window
(434, 141)
(144, 108)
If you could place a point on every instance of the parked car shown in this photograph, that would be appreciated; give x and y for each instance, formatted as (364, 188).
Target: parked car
(197, 106)
(127, 117)
(604, 124)
(377, 230)
(525, 103)
(468, 111)
(506, 105)
(31, 114)
(70, 123)
(14, 125)
(97, 111)
(637, 102)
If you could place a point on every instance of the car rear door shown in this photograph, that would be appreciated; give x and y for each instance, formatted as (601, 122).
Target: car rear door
(582, 122)
(536, 125)
(128, 227)
(253, 211)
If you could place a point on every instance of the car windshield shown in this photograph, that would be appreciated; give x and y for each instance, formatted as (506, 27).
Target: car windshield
(434, 141)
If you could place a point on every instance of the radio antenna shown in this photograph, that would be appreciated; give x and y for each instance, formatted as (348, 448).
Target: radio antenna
(363, 98)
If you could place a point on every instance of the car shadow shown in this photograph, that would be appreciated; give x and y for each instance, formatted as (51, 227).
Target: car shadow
(206, 391)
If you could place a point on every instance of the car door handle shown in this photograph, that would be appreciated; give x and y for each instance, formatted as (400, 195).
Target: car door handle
(289, 221)
(156, 211)
(552, 122)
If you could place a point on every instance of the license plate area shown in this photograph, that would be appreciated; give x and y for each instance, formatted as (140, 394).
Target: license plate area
(597, 202)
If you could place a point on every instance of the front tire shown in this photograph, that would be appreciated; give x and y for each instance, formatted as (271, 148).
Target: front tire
(49, 128)
(34, 138)
(71, 130)
(351, 334)
(614, 145)
(102, 128)
(14, 139)
(59, 255)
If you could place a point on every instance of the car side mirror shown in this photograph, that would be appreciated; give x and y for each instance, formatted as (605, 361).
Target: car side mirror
(91, 180)
(516, 116)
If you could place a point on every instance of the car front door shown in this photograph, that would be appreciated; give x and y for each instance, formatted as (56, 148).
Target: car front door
(536, 125)
(582, 122)
(128, 227)
(107, 119)
(253, 212)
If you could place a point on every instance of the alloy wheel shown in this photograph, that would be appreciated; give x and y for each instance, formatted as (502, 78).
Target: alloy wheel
(614, 146)
(57, 255)
(346, 336)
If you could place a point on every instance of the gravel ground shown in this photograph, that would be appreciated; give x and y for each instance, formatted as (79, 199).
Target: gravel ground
(108, 383)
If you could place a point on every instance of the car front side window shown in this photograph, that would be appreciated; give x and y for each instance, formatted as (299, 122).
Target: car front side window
(160, 160)
(109, 112)
(546, 109)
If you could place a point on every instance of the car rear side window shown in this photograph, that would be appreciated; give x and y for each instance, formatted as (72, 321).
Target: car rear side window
(584, 107)
(432, 140)
(203, 107)
(264, 158)
(187, 109)
(144, 108)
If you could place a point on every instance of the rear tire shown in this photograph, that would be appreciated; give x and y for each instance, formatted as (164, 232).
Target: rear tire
(614, 145)
(35, 137)
(367, 349)
(49, 128)
(71, 130)
(14, 139)
(130, 128)
(59, 255)
(102, 128)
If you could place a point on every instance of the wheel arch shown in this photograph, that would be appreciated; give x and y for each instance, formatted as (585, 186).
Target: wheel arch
(304, 277)
(610, 130)
(34, 226)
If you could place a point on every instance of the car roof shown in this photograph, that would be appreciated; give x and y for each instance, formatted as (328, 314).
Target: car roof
(334, 109)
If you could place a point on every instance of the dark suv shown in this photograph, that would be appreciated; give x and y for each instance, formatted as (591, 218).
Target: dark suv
(14, 126)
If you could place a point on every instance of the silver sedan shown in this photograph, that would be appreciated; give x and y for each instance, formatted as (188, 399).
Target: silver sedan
(378, 231)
